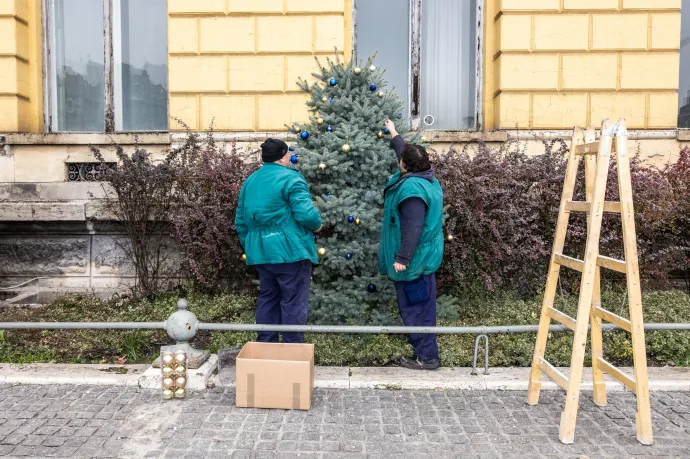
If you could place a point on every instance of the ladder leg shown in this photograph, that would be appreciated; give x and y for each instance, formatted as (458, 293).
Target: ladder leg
(643, 419)
(534, 386)
(597, 346)
(569, 415)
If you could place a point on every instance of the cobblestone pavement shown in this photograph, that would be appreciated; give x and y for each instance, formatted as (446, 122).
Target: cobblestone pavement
(89, 421)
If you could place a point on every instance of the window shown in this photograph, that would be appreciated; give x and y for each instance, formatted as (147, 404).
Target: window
(92, 89)
(430, 51)
(684, 86)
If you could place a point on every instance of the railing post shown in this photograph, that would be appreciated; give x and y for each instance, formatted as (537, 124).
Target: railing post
(181, 326)
(486, 354)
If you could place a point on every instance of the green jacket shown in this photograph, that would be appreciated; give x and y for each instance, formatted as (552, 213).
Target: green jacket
(427, 258)
(276, 217)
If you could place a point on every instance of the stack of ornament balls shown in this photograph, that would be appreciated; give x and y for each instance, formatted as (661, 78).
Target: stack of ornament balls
(174, 370)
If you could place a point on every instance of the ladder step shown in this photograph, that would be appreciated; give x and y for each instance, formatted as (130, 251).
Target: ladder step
(618, 375)
(591, 148)
(611, 207)
(551, 371)
(558, 316)
(578, 265)
(612, 318)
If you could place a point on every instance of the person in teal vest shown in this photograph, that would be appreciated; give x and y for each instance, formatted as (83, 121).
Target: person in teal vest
(411, 247)
(275, 220)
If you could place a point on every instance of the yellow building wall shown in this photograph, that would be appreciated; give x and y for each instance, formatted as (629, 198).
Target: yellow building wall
(560, 63)
(235, 63)
(21, 103)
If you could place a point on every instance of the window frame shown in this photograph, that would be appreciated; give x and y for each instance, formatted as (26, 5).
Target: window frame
(415, 72)
(683, 132)
(108, 69)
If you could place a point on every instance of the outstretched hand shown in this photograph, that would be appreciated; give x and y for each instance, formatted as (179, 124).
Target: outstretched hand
(390, 125)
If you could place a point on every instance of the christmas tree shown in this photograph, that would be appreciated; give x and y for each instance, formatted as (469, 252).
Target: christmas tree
(344, 154)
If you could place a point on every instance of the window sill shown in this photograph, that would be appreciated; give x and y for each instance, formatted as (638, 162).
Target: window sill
(89, 138)
(684, 134)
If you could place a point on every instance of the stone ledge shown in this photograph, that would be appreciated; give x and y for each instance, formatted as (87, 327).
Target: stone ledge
(684, 134)
(197, 379)
(72, 138)
(43, 211)
(51, 191)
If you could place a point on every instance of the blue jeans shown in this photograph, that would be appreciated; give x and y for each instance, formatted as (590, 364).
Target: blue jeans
(283, 298)
(417, 305)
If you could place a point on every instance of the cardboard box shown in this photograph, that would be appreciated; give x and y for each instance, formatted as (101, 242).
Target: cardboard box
(272, 375)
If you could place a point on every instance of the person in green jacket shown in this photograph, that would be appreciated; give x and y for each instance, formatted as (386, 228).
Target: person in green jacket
(411, 246)
(275, 220)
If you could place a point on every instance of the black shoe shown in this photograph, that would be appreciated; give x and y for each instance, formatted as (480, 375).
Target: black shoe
(415, 363)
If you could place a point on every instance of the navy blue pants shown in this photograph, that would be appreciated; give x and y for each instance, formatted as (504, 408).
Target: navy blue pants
(283, 298)
(417, 304)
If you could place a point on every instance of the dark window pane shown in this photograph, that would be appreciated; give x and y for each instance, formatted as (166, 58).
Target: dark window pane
(684, 87)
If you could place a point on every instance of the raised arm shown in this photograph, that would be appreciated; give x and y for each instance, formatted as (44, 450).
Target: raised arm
(397, 142)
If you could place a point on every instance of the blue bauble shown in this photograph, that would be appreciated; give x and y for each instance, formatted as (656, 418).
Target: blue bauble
(294, 159)
(304, 135)
(350, 219)
(315, 237)
(328, 195)
(291, 148)
(348, 256)
(372, 87)
(330, 100)
(385, 131)
(399, 115)
(333, 82)
(329, 129)
(371, 288)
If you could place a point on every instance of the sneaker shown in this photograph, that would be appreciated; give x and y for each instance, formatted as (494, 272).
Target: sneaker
(415, 363)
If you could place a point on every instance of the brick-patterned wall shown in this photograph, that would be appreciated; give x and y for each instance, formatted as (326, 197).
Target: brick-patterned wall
(235, 62)
(560, 63)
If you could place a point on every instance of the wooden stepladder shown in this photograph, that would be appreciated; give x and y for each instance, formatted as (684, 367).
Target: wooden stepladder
(597, 157)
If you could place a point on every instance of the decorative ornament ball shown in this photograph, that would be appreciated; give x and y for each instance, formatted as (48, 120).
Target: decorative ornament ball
(180, 393)
(180, 357)
(167, 358)
(297, 129)
(322, 251)
(348, 256)
(350, 219)
(372, 87)
(324, 99)
(322, 166)
(399, 115)
(328, 195)
(380, 94)
(167, 394)
(424, 139)
(319, 121)
(294, 159)
(330, 101)
(179, 369)
(371, 288)
(329, 129)
(345, 148)
(357, 221)
(180, 381)
(167, 371)
(372, 68)
(449, 237)
(291, 148)
(357, 71)
(244, 257)
(380, 135)
(333, 82)
(304, 135)
(168, 382)
(385, 131)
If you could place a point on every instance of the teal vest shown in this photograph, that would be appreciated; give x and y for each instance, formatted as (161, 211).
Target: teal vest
(429, 254)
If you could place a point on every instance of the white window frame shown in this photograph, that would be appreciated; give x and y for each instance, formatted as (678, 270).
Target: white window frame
(415, 72)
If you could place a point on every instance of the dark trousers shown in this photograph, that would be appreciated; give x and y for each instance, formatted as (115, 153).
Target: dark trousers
(283, 298)
(417, 304)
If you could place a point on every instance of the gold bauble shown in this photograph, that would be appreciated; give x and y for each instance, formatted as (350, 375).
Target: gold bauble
(319, 121)
(167, 358)
(449, 237)
(168, 382)
(322, 251)
(357, 221)
(424, 139)
(180, 357)
(297, 129)
(180, 393)
(180, 381)
(322, 166)
(167, 394)
(379, 135)
(380, 94)
(324, 99)
(167, 371)
(345, 148)
(357, 71)
(179, 369)
(244, 257)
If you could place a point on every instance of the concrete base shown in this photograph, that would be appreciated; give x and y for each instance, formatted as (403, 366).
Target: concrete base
(197, 379)
(195, 357)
